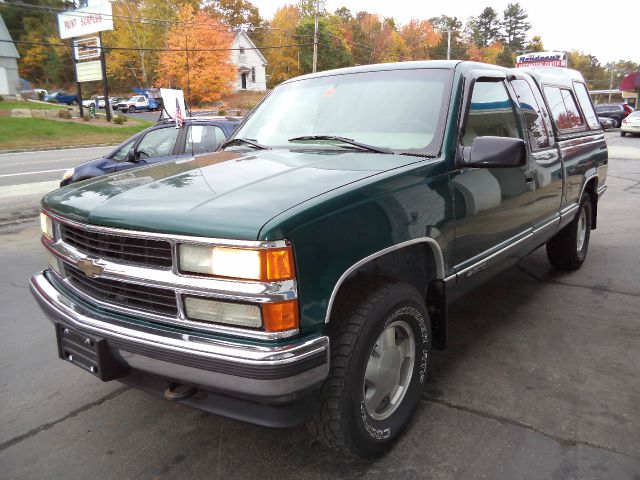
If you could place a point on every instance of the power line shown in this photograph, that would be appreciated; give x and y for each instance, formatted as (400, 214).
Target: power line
(48, 44)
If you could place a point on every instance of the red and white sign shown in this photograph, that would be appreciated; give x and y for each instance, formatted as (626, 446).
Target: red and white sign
(542, 59)
(87, 20)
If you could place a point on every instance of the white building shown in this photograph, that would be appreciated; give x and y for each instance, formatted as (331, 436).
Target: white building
(251, 64)
(9, 78)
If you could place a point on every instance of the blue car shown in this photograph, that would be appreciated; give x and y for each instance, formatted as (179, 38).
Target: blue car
(63, 97)
(160, 143)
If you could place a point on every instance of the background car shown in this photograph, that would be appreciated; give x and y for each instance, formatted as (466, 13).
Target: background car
(88, 103)
(607, 123)
(160, 143)
(63, 97)
(631, 124)
(616, 111)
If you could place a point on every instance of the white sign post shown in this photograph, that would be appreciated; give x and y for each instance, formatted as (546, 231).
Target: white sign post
(95, 18)
(87, 20)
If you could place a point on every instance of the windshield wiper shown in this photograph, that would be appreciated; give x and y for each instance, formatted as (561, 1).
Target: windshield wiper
(349, 141)
(244, 141)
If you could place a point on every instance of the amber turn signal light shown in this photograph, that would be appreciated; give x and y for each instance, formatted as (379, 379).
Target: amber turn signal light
(277, 317)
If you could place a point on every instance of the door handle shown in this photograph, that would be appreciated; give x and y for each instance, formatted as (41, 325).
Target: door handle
(528, 175)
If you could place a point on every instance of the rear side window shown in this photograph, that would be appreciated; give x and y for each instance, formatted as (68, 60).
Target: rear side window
(534, 123)
(585, 103)
(564, 110)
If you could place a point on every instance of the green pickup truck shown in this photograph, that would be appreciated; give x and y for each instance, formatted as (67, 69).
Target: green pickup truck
(302, 272)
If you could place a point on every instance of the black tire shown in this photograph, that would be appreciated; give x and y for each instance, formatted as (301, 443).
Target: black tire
(622, 134)
(74, 103)
(343, 422)
(132, 109)
(562, 250)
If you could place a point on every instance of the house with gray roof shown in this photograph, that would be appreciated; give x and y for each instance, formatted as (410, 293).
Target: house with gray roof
(9, 79)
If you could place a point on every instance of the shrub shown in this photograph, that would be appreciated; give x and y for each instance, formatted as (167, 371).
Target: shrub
(40, 96)
(1, 98)
(64, 114)
(119, 119)
(222, 112)
(86, 118)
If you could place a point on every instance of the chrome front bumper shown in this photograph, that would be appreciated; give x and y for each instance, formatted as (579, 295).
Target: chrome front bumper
(243, 369)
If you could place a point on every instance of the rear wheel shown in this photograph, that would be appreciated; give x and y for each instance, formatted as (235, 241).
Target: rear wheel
(379, 357)
(568, 249)
(622, 134)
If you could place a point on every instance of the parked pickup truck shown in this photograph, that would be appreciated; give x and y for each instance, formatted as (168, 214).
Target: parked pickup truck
(302, 272)
(137, 103)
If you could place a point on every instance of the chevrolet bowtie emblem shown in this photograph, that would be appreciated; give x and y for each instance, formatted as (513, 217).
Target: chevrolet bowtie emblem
(89, 267)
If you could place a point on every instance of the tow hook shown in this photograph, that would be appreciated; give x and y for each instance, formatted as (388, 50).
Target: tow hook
(177, 392)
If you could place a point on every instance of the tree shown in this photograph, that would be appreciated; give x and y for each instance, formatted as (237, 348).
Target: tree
(235, 13)
(485, 28)
(515, 25)
(283, 63)
(420, 39)
(205, 76)
(506, 57)
(444, 24)
(333, 51)
(535, 45)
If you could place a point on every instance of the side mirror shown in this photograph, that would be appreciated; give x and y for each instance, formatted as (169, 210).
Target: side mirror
(133, 156)
(495, 152)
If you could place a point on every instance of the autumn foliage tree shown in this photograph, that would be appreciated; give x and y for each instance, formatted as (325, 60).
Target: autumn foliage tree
(197, 59)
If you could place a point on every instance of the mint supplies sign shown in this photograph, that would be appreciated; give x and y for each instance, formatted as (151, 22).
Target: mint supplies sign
(87, 20)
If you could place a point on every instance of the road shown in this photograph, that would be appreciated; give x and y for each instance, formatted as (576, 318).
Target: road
(25, 177)
(541, 380)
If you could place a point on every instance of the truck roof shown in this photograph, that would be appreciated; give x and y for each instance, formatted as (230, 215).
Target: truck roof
(552, 75)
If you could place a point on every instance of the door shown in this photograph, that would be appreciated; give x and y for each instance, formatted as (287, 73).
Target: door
(243, 78)
(492, 205)
(545, 164)
(154, 147)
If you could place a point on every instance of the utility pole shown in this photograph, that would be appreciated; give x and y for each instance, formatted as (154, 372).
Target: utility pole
(610, 85)
(449, 44)
(105, 85)
(315, 37)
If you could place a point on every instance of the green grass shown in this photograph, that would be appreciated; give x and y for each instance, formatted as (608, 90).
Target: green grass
(18, 133)
(30, 105)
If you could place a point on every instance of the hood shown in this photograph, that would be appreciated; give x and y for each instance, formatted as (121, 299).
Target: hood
(221, 195)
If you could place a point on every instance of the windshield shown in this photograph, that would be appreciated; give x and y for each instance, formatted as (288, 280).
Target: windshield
(133, 99)
(400, 109)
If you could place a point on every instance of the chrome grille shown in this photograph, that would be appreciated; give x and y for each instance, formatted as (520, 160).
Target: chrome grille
(161, 301)
(140, 251)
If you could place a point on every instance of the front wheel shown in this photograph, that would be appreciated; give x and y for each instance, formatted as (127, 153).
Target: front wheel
(380, 352)
(622, 134)
(132, 109)
(568, 249)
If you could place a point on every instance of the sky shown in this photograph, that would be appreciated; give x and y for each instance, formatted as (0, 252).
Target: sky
(607, 31)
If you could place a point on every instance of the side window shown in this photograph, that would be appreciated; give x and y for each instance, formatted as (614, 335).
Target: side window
(158, 143)
(534, 123)
(585, 103)
(491, 113)
(203, 139)
(563, 107)
(121, 154)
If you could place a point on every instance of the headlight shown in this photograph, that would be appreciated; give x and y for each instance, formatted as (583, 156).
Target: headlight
(68, 174)
(273, 317)
(248, 264)
(46, 224)
(223, 312)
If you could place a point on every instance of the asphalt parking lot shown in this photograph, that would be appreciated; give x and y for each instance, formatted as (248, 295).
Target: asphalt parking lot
(541, 380)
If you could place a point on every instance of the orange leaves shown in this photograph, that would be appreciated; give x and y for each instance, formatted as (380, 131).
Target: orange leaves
(205, 76)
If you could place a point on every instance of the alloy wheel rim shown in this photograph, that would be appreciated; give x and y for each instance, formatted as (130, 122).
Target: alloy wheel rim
(582, 229)
(389, 370)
